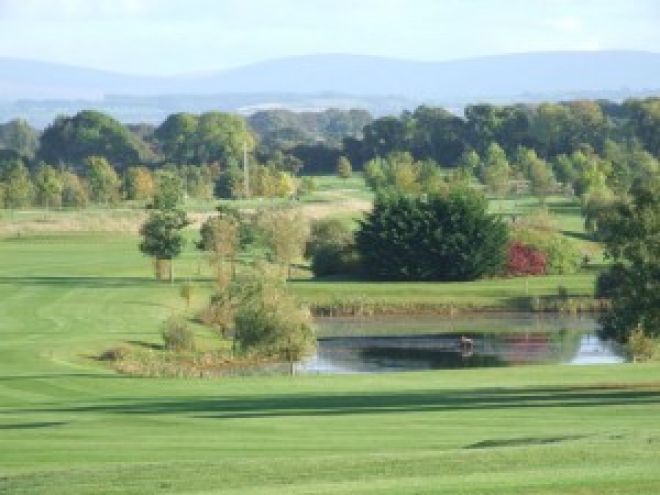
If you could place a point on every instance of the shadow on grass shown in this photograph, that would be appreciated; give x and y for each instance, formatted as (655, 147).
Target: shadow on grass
(521, 442)
(65, 376)
(83, 282)
(30, 426)
(268, 406)
(581, 236)
(146, 345)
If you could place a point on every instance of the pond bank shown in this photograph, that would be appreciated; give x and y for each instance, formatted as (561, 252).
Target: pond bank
(545, 304)
(551, 293)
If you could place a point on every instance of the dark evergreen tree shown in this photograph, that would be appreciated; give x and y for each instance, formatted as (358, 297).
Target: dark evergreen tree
(434, 238)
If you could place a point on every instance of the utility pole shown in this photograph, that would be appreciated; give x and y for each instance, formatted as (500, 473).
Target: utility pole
(246, 172)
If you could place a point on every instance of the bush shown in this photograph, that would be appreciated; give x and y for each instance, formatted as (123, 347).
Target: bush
(177, 336)
(335, 259)
(640, 347)
(434, 238)
(344, 168)
(306, 186)
(328, 231)
(524, 260)
(561, 255)
(270, 324)
(331, 246)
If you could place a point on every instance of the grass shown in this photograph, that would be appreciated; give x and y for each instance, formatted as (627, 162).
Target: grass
(70, 425)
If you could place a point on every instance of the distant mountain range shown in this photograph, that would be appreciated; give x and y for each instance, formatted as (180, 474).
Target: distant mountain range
(550, 75)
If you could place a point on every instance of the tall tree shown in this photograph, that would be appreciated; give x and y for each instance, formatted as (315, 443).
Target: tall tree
(285, 233)
(103, 180)
(496, 172)
(18, 190)
(162, 238)
(48, 186)
(138, 183)
(71, 140)
(17, 135)
(169, 190)
(631, 233)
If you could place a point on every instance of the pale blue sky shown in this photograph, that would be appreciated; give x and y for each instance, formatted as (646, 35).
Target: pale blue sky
(175, 36)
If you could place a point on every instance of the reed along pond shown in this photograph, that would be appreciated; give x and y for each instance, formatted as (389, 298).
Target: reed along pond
(373, 345)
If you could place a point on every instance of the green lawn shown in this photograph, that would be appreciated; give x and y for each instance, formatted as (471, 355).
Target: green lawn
(69, 425)
(495, 294)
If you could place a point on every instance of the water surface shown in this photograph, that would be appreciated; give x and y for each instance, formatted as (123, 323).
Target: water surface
(382, 344)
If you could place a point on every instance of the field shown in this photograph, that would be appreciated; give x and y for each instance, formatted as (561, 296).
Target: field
(73, 284)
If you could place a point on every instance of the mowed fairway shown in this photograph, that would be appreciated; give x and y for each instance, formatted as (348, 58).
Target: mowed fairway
(70, 425)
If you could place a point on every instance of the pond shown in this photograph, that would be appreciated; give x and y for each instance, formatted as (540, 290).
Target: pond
(373, 345)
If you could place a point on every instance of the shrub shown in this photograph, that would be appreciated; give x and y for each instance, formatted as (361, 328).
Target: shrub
(640, 346)
(524, 260)
(270, 324)
(344, 168)
(335, 259)
(561, 255)
(328, 231)
(177, 336)
(306, 186)
(434, 238)
(331, 247)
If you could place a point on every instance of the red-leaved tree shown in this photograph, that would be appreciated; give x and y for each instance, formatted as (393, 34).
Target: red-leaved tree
(524, 260)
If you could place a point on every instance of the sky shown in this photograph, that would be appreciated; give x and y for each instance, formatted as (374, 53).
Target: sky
(182, 36)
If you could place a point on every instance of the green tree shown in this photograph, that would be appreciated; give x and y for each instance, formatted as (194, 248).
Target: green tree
(48, 186)
(469, 163)
(220, 237)
(207, 138)
(102, 179)
(169, 190)
(176, 136)
(644, 122)
(285, 233)
(230, 183)
(439, 238)
(162, 238)
(331, 246)
(18, 190)
(269, 323)
(138, 183)
(496, 171)
(537, 171)
(17, 135)
(631, 234)
(398, 171)
(71, 140)
(74, 192)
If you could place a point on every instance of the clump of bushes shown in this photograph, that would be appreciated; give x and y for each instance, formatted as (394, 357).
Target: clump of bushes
(177, 336)
(524, 260)
(270, 324)
(640, 346)
(562, 256)
(331, 247)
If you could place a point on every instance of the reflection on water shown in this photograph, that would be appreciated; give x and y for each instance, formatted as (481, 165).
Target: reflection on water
(402, 344)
